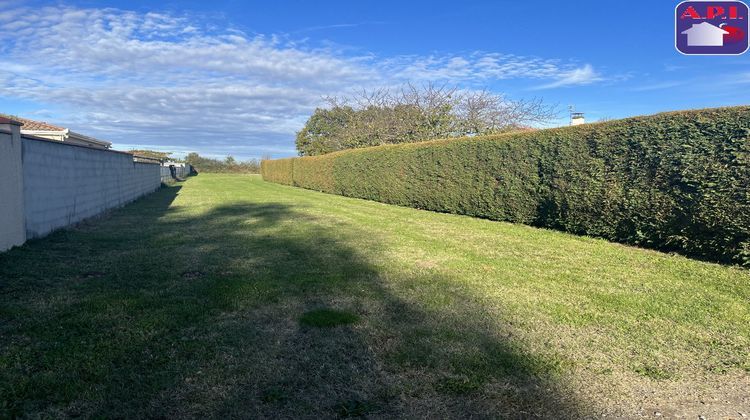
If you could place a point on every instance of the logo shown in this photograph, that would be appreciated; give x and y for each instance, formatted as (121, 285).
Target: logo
(711, 27)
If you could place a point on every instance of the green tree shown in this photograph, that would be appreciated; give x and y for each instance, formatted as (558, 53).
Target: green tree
(414, 114)
(228, 165)
(325, 131)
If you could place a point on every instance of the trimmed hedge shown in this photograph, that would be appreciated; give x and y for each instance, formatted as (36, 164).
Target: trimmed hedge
(675, 181)
(279, 170)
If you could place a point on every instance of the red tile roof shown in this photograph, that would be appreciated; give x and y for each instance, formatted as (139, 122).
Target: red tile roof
(31, 125)
(4, 120)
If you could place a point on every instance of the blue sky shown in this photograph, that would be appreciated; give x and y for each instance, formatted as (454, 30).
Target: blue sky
(235, 77)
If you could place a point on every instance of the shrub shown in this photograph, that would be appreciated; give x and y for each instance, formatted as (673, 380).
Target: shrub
(674, 181)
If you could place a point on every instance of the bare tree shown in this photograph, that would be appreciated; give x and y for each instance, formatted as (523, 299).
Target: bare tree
(415, 113)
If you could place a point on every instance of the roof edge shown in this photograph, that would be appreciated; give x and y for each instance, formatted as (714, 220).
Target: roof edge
(87, 138)
(4, 120)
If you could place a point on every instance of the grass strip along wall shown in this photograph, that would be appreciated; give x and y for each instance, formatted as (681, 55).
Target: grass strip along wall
(676, 181)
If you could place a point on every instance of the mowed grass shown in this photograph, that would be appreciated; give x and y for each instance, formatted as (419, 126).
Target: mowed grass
(226, 296)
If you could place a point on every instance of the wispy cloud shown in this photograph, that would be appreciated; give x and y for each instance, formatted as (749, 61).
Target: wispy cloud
(337, 26)
(673, 67)
(161, 79)
(580, 76)
(478, 67)
(658, 86)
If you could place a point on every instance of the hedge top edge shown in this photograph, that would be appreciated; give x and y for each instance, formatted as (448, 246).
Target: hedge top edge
(525, 134)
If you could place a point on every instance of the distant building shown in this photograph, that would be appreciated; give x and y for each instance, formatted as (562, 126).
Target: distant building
(576, 118)
(53, 132)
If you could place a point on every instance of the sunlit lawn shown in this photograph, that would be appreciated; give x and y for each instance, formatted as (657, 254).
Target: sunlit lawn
(229, 296)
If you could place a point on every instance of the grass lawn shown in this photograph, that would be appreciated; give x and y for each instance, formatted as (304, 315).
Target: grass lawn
(229, 296)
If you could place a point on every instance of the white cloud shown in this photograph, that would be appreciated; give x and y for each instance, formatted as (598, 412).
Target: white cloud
(477, 67)
(166, 80)
(580, 76)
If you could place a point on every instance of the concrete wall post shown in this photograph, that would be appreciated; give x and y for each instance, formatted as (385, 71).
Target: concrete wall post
(12, 218)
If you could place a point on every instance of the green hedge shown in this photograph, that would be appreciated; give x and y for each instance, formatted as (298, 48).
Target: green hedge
(675, 181)
(315, 173)
(279, 170)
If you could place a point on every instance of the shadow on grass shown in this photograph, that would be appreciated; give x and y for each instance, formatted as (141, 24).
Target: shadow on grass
(160, 311)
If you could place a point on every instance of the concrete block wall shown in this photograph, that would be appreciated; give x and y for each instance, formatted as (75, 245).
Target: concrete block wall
(182, 172)
(64, 184)
(12, 231)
